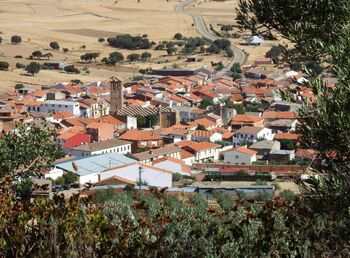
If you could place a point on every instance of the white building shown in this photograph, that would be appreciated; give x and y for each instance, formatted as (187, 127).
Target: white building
(206, 136)
(102, 147)
(173, 165)
(204, 151)
(89, 169)
(240, 156)
(150, 175)
(55, 106)
(251, 134)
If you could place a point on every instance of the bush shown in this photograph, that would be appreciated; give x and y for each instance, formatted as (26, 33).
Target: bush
(274, 52)
(33, 68)
(71, 69)
(287, 195)
(133, 57)
(54, 45)
(20, 66)
(226, 28)
(18, 56)
(178, 36)
(177, 177)
(101, 40)
(146, 56)
(19, 86)
(89, 56)
(4, 65)
(129, 42)
(65, 50)
(15, 39)
(114, 57)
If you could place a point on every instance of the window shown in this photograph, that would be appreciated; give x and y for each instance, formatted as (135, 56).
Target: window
(66, 106)
(237, 157)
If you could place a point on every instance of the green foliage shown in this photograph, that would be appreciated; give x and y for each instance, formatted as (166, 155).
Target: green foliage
(236, 68)
(4, 65)
(178, 36)
(133, 57)
(287, 144)
(33, 68)
(288, 195)
(152, 120)
(177, 177)
(54, 45)
(201, 127)
(101, 40)
(90, 56)
(15, 39)
(20, 66)
(70, 178)
(274, 52)
(19, 86)
(226, 27)
(205, 103)
(146, 56)
(24, 152)
(240, 109)
(71, 69)
(141, 121)
(129, 42)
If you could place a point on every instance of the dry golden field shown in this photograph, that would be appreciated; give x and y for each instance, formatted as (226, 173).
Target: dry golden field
(81, 22)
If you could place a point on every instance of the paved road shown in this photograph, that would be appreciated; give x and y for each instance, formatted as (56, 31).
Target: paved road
(238, 55)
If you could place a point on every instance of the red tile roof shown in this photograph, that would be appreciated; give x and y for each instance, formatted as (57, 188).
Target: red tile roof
(286, 136)
(138, 135)
(279, 115)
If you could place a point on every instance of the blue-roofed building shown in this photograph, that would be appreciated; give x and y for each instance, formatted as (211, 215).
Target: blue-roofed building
(90, 168)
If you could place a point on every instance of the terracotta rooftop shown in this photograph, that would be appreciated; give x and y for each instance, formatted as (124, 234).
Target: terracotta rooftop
(101, 145)
(286, 136)
(241, 118)
(138, 135)
(249, 130)
(279, 115)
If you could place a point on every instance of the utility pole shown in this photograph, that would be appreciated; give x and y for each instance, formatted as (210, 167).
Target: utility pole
(140, 176)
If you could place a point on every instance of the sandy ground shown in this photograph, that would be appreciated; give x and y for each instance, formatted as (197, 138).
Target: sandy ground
(218, 13)
(81, 22)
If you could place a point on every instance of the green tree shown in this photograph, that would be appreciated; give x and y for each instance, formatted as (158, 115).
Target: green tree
(236, 68)
(4, 65)
(25, 151)
(19, 86)
(171, 50)
(54, 45)
(0, 40)
(15, 39)
(133, 57)
(205, 103)
(146, 56)
(70, 178)
(178, 36)
(287, 144)
(324, 123)
(33, 68)
(226, 27)
(141, 121)
(153, 120)
(37, 54)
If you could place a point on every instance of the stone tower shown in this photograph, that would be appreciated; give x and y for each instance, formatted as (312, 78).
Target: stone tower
(116, 94)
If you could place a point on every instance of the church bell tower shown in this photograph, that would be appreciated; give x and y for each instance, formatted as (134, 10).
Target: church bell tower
(116, 95)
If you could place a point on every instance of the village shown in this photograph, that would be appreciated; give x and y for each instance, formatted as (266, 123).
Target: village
(186, 130)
